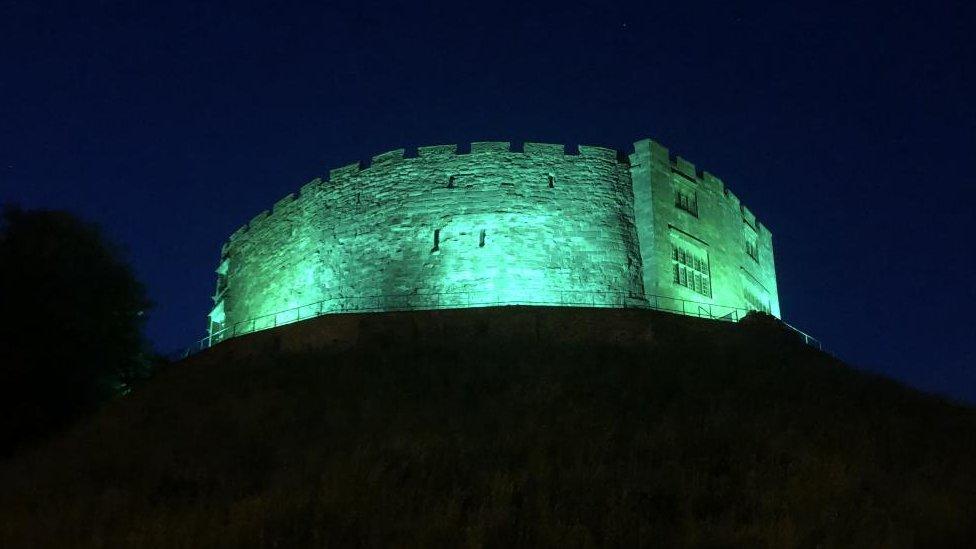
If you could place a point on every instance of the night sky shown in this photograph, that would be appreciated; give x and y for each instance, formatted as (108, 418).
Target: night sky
(850, 133)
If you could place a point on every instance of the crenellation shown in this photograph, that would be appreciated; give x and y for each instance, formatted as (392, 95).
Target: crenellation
(478, 147)
(437, 150)
(598, 152)
(543, 149)
(256, 220)
(659, 153)
(238, 233)
(311, 187)
(283, 203)
(387, 157)
(733, 199)
(500, 224)
(748, 216)
(684, 167)
(344, 173)
(713, 183)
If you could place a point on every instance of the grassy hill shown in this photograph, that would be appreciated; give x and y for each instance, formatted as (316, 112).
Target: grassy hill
(502, 427)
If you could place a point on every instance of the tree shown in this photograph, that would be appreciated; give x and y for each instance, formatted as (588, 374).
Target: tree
(71, 319)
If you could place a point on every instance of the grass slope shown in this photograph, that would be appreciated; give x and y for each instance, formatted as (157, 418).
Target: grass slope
(746, 438)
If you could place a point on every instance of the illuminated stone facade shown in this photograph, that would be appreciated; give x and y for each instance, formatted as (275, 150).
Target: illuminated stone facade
(495, 226)
(679, 209)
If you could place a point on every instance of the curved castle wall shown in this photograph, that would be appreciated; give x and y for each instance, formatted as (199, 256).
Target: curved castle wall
(496, 226)
(441, 229)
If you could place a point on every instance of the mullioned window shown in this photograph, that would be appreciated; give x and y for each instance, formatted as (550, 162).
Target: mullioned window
(691, 270)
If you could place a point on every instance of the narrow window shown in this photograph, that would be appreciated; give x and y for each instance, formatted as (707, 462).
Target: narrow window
(552, 181)
(437, 240)
(481, 239)
(686, 200)
(450, 182)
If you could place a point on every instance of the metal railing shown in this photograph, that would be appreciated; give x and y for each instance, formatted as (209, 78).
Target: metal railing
(807, 338)
(461, 300)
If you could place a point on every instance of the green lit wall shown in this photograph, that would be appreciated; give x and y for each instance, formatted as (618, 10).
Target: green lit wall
(493, 226)
(718, 231)
(441, 229)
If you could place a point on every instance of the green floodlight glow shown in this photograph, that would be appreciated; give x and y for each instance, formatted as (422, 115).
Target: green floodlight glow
(496, 227)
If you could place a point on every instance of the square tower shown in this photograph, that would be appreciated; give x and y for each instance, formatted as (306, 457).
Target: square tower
(702, 251)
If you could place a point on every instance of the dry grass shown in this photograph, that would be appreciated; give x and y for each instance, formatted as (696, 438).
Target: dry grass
(744, 440)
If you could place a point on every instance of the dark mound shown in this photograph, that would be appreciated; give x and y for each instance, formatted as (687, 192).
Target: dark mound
(507, 427)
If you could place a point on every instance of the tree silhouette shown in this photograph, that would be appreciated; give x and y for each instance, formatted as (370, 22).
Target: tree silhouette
(71, 317)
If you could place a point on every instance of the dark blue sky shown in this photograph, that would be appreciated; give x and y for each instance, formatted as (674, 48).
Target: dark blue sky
(851, 133)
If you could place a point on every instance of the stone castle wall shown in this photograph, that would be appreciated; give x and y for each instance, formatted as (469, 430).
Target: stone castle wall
(442, 229)
(719, 230)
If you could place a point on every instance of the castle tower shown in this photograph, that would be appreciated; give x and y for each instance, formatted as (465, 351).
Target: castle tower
(697, 242)
(439, 230)
(497, 226)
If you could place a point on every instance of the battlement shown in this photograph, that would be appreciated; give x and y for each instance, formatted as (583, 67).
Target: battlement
(682, 166)
(437, 150)
(391, 158)
(345, 172)
(478, 147)
(474, 148)
(748, 216)
(543, 149)
(494, 222)
(713, 182)
(283, 203)
(658, 153)
(609, 155)
(686, 169)
(310, 187)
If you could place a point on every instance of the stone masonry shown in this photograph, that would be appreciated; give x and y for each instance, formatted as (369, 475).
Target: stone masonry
(495, 226)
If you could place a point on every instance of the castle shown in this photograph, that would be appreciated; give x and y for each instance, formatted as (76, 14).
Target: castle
(499, 226)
